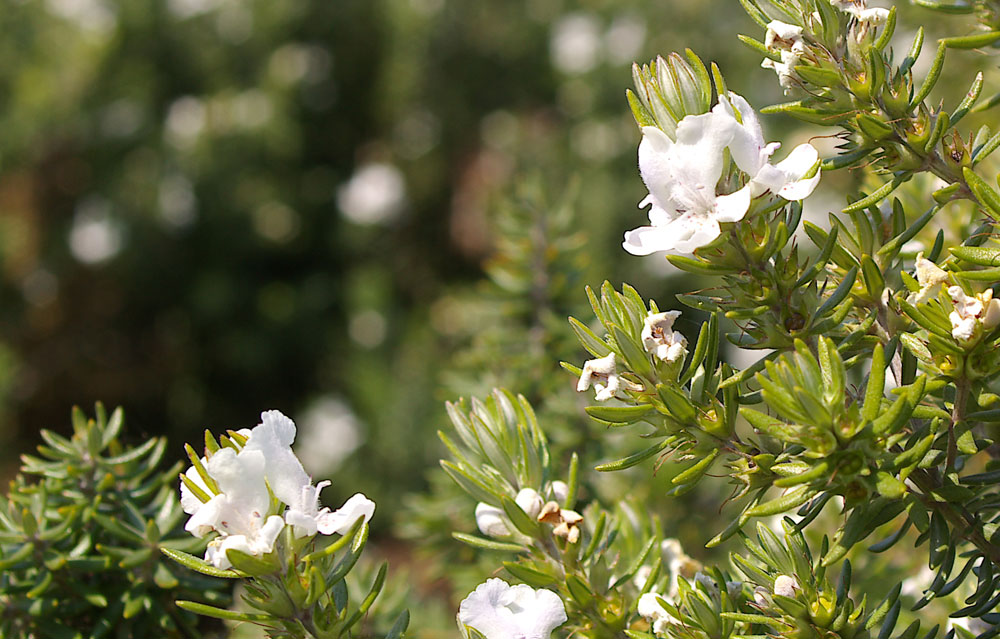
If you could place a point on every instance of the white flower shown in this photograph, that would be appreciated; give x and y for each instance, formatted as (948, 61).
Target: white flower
(491, 521)
(930, 278)
(785, 586)
(650, 608)
(239, 513)
(781, 35)
(566, 522)
(751, 154)
(786, 39)
(685, 210)
(606, 369)
(859, 9)
(501, 611)
(308, 519)
(971, 313)
(291, 484)
(659, 338)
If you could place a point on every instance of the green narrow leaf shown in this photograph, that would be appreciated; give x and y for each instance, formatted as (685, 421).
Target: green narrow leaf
(878, 195)
(488, 544)
(199, 565)
(979, 255)
(632, 460)
(876, 385)
(933, 74)
(987, 197)
(221, 613)
(974, 41)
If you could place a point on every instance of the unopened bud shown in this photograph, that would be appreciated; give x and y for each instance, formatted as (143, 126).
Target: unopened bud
(491, 521)
(530, 501)
(785, 586)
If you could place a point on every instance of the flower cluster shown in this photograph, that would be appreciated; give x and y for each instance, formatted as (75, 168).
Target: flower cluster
(659, 339)
(493, 522)
(973, 314)
(251, 487)
(682, 176)
(501, 611)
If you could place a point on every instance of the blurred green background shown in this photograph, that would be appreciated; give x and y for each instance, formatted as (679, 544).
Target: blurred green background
(343, 209)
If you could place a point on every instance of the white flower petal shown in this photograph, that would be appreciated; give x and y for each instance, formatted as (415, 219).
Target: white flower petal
(747, 147)
(560, 491)
(483, 610)
(777, 30)
(536, 612)
(189, 501)
(500, 611)
(646, 240)
(732, 207)
(693, 232)
(341, 520)
(273, 438)
(786, 177)
(205, 519)
(654, 164)
(785, 586)
(601, 368)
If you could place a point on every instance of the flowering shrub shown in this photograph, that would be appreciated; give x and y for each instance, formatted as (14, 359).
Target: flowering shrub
(869, 412)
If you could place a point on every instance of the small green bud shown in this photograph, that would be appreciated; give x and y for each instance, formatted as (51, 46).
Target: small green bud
(872, 127)
(822, 611)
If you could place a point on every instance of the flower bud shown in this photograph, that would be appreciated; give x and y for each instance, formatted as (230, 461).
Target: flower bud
(669, 89)
(530, 501)
(560, 491)
(491, 521)
(785, 586)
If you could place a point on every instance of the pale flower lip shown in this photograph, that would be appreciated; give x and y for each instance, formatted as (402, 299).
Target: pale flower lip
(501, 611)
(752, 155)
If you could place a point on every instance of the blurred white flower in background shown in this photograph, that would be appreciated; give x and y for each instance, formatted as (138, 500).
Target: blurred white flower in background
(375, 194)
(575, 43)
(95, 236)
(328, 433)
